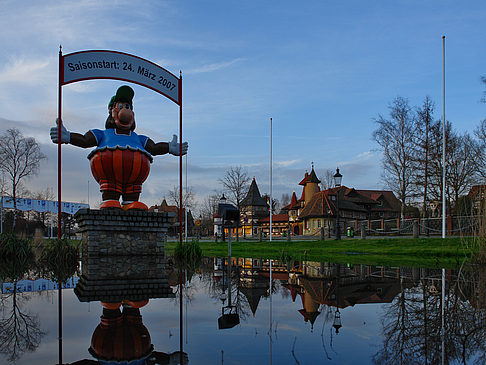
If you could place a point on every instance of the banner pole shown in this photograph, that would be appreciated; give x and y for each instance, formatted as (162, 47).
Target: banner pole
(59, 118)
(59, 123)
(443, 143)
(180, 159)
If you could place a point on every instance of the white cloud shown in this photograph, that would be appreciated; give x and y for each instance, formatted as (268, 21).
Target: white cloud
(23, 71)
(213, 66)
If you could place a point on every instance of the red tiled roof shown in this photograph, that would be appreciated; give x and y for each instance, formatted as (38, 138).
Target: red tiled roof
(304, 180)
(293, 201)
(276, 218)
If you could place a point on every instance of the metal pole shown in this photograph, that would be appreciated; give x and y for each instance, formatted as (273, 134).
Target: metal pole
(185, 215)
(271, 309)
(443, 143)
(180, 159)
(59, 123)
(59, 116)
(229, 266)
(443, 316)
(271, 205)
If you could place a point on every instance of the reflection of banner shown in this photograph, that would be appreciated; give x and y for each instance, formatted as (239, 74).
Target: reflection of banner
(27, 285)
(42, 205)
(88, 65)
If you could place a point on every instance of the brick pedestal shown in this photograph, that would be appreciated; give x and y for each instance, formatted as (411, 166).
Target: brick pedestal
(122, 255)
(118, 232)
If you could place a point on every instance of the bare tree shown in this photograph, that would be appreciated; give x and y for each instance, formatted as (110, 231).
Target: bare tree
(188, 197)
(327, 180)
(285, 199)
(461, 168)
(396, 136)
(275, 203)
(208, 209)
(236, 183)
(480, 134)
(20, 158)
(424, 121)
(47, 194)
(461, 157)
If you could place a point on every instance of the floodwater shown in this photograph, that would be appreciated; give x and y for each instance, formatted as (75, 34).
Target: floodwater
(254, 311)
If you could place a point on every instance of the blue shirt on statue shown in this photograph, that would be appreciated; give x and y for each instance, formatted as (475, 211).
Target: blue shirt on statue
(109, 139)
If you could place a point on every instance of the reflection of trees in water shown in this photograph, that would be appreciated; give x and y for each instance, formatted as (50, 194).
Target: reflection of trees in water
(19, 332)
(412, 325)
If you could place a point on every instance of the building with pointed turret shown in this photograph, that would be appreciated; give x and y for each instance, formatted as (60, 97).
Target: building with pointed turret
(252, 209)
(317, 210)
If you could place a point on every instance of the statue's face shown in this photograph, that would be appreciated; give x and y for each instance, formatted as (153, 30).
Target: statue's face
(123, 115)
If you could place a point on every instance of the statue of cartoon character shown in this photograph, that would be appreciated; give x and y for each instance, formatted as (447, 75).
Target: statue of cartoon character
(120, 163)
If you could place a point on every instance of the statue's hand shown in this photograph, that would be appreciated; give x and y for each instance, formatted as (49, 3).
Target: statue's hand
(65, 134)
(174, 147)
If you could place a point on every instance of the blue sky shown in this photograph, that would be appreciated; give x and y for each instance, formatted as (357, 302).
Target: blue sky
(322, 70)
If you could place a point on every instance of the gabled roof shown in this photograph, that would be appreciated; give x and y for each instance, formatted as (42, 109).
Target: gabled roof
(164, 207)
(322, 205)
(253, 198)
(386, 196)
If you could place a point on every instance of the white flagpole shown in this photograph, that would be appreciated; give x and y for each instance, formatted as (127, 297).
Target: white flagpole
(271, 205)
(443, 143)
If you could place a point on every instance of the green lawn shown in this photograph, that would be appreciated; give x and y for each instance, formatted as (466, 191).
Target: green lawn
(422, 252)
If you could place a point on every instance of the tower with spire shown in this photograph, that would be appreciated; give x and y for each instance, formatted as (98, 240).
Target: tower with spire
(253, 208)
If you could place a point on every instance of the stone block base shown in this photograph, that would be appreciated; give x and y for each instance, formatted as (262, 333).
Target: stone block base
(117, 232)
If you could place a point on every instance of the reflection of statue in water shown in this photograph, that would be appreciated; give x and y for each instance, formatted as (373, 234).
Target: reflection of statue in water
(122, 338)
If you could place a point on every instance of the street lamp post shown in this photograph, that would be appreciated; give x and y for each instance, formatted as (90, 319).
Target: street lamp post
(222, 200)
(337, 184)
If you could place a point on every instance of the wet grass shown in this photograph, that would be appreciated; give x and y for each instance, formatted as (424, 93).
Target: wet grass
(422, 252)
(188, 256)
(60, 258)
(16, 257)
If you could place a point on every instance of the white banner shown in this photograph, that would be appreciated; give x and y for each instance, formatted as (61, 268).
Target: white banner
(88, 65)
(41, 205)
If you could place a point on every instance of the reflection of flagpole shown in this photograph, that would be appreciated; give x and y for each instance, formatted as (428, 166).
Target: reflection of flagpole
(443, 142)
(271, 319)
(443, 316)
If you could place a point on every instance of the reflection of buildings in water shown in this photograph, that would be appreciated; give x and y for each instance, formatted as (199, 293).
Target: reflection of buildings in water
(341, 286)
(254, 287)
